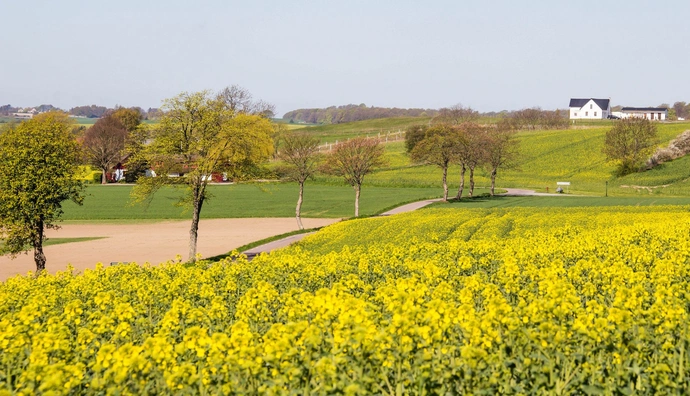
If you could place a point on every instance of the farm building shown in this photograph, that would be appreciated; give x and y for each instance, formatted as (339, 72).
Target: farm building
(650, 113)
(589, 109)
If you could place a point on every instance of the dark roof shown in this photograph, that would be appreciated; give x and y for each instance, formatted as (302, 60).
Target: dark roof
(602, 103)
(644, 109)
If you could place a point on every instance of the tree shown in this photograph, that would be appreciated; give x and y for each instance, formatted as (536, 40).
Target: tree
(38, 162)
(300, 152)
(439, 147)
(413, 135)
(129, 118)
(104, 144)
(199, 135)
(681, 109)
(240, 100)
(470, 153)
(354, 159)
(629, 143)
(500, 150)
(456, 115)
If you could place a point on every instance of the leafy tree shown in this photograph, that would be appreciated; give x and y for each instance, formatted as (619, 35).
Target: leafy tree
(413, 135)
(439, 147)
(200, 135)
(630, 142)
(470, 153)
(38, 162)
(92, 111)
(354, 159)
(300, 152)
(104, 144)
(129, 118)
(500, 150)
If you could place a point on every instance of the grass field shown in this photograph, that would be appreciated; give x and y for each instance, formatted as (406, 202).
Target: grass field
(560, 202)
(60, 241)
(111, 202)
(573, 155)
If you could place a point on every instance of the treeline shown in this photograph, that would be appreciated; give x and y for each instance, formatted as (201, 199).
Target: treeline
(468, 144)
(89, 111)
(536, 118)
(350, 113)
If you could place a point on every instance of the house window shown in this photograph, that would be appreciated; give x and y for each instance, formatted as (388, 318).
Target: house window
(595, 113)
(586, 113)
(590, 107)
(575, 114)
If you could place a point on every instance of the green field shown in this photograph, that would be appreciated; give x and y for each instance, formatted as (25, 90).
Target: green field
(573, 155)
(111, 202)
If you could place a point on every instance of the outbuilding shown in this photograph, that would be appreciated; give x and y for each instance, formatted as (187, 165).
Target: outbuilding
(649, 113)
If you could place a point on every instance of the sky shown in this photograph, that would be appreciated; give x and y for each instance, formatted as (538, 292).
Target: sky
(490, 55)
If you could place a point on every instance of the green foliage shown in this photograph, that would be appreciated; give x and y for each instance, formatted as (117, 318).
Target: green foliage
(630, 142)
(200, 134)
(413, 135)
(39, 160)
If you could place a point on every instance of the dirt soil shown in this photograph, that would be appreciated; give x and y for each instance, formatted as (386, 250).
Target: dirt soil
(149, 242)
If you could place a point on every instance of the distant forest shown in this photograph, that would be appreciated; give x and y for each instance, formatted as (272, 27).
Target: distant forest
(92, 111)
(351, 112)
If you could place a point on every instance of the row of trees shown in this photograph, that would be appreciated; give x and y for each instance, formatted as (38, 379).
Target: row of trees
(468, 144)
(202, 132)
(89, 111)
(350, 113)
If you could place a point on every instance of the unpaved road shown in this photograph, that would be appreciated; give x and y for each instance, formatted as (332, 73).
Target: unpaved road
(149, 242)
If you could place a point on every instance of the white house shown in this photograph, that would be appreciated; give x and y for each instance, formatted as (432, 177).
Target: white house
(589, 109)
(649, 113)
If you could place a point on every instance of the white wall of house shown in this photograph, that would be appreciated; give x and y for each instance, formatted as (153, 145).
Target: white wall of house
(657, 115)
(590, 111)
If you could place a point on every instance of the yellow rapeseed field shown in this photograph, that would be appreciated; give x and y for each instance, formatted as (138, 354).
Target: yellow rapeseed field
(440, 301)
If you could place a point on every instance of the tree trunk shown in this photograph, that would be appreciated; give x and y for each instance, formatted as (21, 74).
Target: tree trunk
(445, 184)
(39, 257)
(493, 181)
(462, 181)
(357, 188)
(471, 181)
(104, 179)
(298, 210)
(194, 229)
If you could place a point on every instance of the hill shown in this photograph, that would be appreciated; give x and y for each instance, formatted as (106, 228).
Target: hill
(573, 155)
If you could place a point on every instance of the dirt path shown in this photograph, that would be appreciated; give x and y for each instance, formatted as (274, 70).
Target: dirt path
(149, 242)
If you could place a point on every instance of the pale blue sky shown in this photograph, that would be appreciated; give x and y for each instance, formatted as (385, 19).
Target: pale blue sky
(491, 55)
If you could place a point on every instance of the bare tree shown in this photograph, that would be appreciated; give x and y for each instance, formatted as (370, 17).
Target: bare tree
(500, 150)
(240, 100)
(354, 159)
(470, 153)
(439, 147)
(104, 144)
(300, 152)
(456, 115)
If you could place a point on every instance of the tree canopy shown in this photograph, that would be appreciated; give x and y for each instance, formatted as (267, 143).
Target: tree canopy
(198, 136)
(39, 159)
(630, 142)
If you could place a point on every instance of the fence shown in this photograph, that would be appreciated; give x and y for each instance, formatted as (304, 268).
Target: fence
(384, 137)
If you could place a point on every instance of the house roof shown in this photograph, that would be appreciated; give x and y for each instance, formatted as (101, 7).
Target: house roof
(644, 109)
(602, 103)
